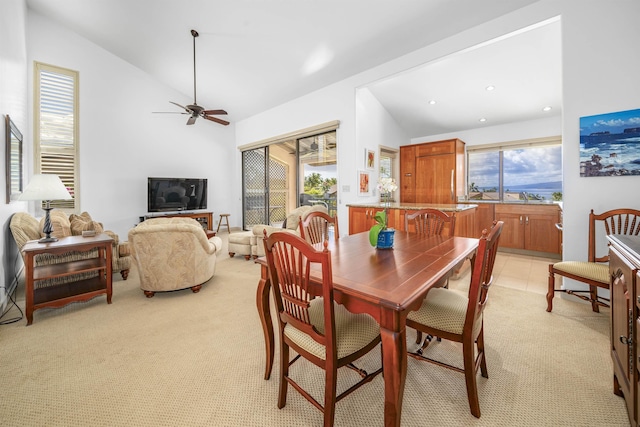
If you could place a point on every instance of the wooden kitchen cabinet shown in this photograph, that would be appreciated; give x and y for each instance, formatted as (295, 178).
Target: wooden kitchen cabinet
(432, 172)
(529, 227)
(624, 269)
(362, 218)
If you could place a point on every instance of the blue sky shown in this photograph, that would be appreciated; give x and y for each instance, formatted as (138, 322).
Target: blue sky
(521, 167)
(612, 122)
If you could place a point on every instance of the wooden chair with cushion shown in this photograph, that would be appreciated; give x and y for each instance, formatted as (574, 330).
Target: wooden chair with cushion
(595, 271)
(430, 222)
(317, 329)
(458, 316)
(315, 227)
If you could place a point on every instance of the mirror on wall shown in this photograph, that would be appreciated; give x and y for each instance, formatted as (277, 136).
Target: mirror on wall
(13, 159)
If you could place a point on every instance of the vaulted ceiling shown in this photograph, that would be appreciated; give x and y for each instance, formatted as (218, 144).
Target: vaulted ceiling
(254, 55)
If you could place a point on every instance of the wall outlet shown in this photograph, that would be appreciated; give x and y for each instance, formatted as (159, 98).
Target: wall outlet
(346, 188)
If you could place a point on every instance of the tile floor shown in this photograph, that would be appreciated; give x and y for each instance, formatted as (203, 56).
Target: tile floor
(523, 272)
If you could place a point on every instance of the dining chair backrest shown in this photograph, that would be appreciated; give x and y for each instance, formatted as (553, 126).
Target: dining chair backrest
(616, 221)
(315, 227)
(482, 273)
(430, 222)
(290, 259)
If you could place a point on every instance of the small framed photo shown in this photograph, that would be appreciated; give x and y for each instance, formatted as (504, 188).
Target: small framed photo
(364, 188)
(369, 159)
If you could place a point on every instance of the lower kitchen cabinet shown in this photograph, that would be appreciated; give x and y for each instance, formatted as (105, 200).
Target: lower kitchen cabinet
(529, 227)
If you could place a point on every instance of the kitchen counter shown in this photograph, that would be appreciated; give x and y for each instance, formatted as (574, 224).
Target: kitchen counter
(362, 215)
(415, 206)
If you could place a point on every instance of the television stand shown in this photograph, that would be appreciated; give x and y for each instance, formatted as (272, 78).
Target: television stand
(204, 218)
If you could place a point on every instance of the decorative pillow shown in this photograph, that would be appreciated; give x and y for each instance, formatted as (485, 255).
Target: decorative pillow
(80, 224)
(59, 222)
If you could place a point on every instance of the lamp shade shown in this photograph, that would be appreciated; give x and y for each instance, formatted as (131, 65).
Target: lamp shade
(45, 187)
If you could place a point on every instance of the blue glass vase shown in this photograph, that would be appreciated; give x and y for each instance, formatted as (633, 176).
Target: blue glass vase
(385, 238)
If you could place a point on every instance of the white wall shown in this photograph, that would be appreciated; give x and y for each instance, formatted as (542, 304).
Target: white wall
(551, 126)
(600, 75)
(121, 141)
(13, 101)
(599, 44)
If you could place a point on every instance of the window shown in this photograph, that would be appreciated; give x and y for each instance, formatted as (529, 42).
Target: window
(56, 127)
(518, 171)
(387, 165)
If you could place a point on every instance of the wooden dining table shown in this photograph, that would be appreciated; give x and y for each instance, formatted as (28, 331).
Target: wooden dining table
(386, 284)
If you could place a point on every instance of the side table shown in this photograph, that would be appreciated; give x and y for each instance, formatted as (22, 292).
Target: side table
(79, 290)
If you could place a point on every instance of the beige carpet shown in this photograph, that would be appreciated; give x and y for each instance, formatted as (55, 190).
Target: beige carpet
(184, 359)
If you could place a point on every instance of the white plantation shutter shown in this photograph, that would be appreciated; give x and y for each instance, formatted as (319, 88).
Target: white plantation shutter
(56, 133)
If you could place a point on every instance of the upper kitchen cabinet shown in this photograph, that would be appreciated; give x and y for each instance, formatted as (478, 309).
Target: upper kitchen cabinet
(432, 172)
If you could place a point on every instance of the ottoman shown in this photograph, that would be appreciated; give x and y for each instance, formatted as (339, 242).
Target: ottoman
(240, 243)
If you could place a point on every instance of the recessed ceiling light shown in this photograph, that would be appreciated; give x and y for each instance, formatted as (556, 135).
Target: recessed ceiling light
(432, 101)
(547, 108)
(490, 87)
(482, 120)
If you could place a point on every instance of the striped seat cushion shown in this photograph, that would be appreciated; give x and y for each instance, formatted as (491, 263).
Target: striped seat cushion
(589, 270)
(445, 310)
(353, 331)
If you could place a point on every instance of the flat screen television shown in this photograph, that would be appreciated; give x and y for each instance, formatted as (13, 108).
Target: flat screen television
(176, 194)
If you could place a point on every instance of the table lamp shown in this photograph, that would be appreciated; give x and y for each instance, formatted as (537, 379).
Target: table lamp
(46, 187)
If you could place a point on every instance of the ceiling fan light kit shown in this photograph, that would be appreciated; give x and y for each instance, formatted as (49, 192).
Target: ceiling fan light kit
(194, 110)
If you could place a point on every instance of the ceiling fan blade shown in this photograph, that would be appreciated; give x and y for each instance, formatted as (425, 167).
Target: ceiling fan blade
(217, 120)
(191, 120)
(181, 106)
(216, 112)
(168, 112)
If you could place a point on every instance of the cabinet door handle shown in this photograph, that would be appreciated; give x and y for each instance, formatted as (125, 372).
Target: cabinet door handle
(452, 196)
(527, 220)
(520, 219)
(407, 174)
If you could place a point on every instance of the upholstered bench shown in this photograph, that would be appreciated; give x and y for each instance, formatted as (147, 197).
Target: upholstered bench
(240, 243)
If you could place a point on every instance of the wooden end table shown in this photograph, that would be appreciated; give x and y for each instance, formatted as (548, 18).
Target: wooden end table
(79, 290)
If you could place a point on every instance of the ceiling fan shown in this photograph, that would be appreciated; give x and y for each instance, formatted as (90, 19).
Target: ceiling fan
(194, 110)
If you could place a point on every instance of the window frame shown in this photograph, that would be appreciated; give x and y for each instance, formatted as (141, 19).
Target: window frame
(552, 141)
(71, 178)
(393, 154)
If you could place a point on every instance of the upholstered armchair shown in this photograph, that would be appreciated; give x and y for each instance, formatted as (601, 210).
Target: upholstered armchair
(25, 227)
(172, 254)
(290, 225)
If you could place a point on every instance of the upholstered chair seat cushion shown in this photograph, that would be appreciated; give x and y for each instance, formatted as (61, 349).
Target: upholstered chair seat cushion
(591, 270)
(444, 309)
(353, 331)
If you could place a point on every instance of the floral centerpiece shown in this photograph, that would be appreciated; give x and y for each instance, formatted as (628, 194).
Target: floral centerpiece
(380, 236)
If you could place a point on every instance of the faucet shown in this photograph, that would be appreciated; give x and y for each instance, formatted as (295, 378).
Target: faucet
(525, 195)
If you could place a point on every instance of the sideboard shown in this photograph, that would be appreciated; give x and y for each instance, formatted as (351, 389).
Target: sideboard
(624, 268)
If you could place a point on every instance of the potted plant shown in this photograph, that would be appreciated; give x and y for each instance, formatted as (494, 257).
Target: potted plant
(380, 236)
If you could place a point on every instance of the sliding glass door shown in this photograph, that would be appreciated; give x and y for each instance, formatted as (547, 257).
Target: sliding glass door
(282, 176)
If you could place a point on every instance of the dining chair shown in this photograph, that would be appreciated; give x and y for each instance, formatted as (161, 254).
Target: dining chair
(457, 316)
(315, 227)
(595, 271)
(430, 222)
(311, 323)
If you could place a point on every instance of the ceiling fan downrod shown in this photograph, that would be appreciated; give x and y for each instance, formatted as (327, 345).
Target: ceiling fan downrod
(195, 34)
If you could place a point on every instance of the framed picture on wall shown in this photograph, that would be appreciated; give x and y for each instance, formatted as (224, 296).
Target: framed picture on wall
(369, 158)
(363, 183)
(609, 144)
